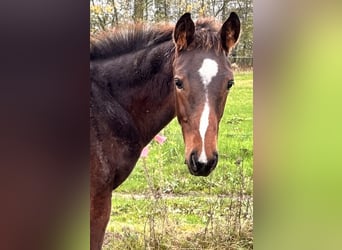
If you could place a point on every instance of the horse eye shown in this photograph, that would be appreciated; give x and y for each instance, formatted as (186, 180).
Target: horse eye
(230, 84)
(178, 83)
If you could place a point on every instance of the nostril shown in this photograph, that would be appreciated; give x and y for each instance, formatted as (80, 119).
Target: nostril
(215, 154)
(215, 158)
(193, 161)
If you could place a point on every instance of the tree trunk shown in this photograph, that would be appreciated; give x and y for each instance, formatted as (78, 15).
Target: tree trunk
(138, 14)
(115, 18)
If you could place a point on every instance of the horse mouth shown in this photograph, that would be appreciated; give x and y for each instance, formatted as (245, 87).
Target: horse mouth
(197, 168)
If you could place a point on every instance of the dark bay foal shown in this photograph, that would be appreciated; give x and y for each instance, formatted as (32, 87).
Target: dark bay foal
(141, 79)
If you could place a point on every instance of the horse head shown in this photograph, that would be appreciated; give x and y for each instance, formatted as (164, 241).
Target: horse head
(202, 80)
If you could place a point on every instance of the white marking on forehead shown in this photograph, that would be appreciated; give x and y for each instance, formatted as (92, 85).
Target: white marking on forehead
(208, 70)
(204, 123)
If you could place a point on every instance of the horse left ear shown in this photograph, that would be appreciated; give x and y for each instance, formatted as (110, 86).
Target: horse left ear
(184, 31)
(230, 31)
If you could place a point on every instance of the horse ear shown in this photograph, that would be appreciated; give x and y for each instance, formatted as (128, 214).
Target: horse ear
(230, 31)
(184, 31)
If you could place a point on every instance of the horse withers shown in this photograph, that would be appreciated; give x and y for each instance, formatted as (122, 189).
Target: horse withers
(141, 78)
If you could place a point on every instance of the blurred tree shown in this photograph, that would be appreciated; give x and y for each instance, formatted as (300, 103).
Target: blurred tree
(103, 14)
(138, 11)
(109, 13)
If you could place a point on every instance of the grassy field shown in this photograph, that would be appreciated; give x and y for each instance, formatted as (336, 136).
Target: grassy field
(162, 206)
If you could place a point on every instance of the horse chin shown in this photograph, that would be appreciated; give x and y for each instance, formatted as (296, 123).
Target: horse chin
(204, 174)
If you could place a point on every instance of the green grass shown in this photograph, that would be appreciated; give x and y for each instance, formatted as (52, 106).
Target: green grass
(162, 206)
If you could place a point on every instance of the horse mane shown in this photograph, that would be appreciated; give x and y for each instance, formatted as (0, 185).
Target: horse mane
(127, 39)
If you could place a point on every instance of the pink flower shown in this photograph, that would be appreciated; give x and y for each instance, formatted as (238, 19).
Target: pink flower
(144, 152)
(160, 139)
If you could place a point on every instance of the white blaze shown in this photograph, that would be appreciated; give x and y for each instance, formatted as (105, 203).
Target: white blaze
(204, 122)
(207, 71)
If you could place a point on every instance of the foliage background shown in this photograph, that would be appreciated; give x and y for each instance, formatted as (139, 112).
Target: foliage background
(105, 14)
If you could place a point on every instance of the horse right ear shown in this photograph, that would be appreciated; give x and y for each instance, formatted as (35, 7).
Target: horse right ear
(184, 31)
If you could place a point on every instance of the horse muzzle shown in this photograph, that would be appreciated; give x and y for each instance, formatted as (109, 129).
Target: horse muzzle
(198, 168)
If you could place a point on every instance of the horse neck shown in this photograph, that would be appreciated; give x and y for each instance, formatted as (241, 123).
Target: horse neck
(151, 103)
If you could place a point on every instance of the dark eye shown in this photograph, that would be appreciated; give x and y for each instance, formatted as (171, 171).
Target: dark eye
(179, 83)
(230, 84)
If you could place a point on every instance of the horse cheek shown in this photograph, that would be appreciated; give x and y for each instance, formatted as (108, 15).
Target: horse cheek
(181, 108)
